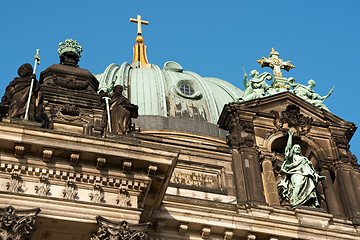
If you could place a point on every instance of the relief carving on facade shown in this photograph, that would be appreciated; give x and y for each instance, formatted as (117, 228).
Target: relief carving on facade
(97, 195)
(345, 155)
(241, 134)
(43, 187)
(293, 118)
(123, 199)
(194, 178)
(15, 183)
(70, 192)
(119, 231)
(17, 224)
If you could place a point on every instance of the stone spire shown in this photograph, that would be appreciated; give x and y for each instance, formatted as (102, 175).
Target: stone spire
(140, 58)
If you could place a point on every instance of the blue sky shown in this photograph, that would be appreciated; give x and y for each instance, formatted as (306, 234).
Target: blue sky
(211, 38)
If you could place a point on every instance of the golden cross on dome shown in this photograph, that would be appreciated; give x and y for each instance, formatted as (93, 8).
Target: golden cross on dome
(139, 22)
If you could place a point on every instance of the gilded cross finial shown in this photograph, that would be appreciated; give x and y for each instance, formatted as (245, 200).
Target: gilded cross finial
(139, 22)
(275, 63)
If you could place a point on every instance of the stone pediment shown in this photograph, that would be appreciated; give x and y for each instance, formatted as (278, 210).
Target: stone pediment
(277, 104)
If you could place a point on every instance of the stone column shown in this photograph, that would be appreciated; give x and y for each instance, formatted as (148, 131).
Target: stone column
(346, 188)
(330, 194)
(17, 224)
(245, 157)
(246, 165)
(269, 182)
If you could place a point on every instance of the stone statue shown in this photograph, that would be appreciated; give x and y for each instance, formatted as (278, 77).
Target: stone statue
(13, 103)
(121, 112)
(301, 178)
(255, 87)
(308, 94)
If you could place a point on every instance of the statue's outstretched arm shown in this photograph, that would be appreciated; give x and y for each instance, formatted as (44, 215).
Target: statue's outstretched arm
(324, 97)
(289, 144)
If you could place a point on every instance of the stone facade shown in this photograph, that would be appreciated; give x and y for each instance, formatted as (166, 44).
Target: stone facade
(91, 184)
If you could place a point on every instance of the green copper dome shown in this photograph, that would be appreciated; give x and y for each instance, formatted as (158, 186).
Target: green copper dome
(170, 98)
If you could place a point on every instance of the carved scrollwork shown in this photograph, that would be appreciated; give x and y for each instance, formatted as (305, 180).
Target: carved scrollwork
(293, 118)
(17, 224)
(120, 231)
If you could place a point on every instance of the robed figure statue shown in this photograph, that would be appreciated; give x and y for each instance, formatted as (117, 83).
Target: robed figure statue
(14, 102)
(256, 87)
(121, 112)
(301, 178)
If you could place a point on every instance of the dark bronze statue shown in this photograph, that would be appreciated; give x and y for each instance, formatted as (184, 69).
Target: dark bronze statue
(121, 112)
(13, 103)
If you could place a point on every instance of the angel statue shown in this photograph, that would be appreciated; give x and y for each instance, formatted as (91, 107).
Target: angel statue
(256, 87)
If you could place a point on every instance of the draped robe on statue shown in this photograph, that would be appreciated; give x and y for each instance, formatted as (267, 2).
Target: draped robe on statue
(17, 94)
(300, 179)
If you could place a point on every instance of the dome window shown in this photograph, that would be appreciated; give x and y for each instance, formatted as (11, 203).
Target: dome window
(186, 89)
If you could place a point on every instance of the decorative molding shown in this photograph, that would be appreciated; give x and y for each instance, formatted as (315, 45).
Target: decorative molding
(120, 231)
(228, 235)
(183, 227)
(70, 192)
(43, 187)
(97, 194)
(19, 151)
(251, 237)
(205, 232)
(17, 224)
(100, 163)
(127, 166)
(74, 158)
(134, 185)
(47, 155)
(15, 183)
(152, 170)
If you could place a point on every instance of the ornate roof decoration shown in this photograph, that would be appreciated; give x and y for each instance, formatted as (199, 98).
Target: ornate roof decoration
(70, 46)
(140, 58)
(276, 64)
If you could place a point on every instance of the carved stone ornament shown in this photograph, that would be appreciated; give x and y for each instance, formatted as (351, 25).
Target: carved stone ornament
(241, 134)
(47, 154)
(17, 224)
(15, 183)
(19, 151)
(293, 118)
(123, 199)
(120, 231)
(69, 113)
(70, 191)
(43, 187)
(97, 195)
